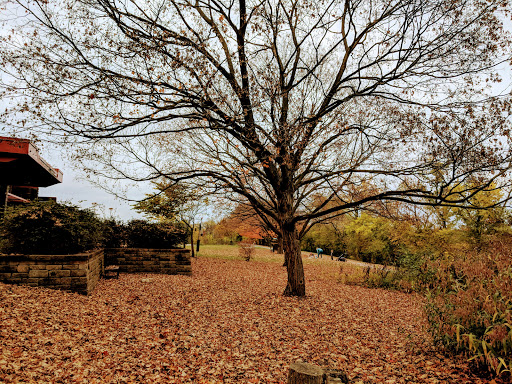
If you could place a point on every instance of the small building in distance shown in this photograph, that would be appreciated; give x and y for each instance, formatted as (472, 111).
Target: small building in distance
(22, 172)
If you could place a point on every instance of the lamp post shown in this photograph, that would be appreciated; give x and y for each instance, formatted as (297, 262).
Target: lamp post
(199, 235)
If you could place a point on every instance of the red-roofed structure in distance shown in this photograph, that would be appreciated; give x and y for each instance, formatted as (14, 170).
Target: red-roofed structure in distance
(23, 171)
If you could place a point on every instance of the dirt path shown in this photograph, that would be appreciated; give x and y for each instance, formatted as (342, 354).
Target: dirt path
(228, 323)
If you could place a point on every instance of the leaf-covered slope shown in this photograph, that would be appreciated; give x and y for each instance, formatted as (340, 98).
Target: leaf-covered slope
(228, 323)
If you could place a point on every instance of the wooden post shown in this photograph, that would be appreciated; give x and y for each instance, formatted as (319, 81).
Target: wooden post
(304, 373)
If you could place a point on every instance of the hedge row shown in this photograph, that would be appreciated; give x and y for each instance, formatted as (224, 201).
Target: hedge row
(55, 228)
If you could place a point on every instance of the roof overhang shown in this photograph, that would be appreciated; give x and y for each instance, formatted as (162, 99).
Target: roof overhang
(20, 164)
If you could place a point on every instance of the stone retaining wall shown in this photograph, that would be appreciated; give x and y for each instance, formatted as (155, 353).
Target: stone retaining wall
(76, 273)
(81, 272)
(133, 260)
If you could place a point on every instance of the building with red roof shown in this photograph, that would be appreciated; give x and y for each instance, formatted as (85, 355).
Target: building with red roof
(23, 171)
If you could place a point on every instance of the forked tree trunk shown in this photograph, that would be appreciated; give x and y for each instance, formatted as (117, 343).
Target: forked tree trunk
(296, 285)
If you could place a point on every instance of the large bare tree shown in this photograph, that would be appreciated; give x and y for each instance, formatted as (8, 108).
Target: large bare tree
(278, 101)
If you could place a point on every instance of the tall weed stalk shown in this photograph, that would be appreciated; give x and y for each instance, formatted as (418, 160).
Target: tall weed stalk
(470, 308)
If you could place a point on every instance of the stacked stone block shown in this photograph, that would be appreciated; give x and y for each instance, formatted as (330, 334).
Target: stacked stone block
(75, 273)
(96, 269)
(81, 272)
(133, 260)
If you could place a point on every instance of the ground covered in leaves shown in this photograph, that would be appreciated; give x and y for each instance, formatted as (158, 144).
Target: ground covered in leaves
(228, 323)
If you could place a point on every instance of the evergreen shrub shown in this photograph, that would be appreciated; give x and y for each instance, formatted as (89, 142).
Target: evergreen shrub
(49, 228)
(114, 234)
(144, 234)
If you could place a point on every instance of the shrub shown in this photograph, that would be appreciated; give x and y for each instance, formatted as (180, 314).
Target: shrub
(415, 271)
(372, 277)
(470, 310)
(143, 234)
(3, 240)
(114, 234)
(50, 228)
(246, 251)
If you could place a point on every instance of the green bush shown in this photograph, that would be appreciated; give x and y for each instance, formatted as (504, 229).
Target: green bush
(114, 234)
(470, 309)
(49, 228)
(143, 234)
(414, 271)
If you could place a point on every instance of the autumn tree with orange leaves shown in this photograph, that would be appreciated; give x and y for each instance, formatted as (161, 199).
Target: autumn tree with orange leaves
(273, 101)
(243, 222)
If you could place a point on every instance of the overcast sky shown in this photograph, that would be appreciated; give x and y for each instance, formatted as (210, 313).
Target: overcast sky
(78, 191)
(75, 189)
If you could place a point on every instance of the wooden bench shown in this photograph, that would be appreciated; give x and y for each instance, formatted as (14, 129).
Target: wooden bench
(111, 272)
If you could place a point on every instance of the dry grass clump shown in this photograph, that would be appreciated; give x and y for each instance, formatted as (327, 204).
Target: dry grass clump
(246, 251)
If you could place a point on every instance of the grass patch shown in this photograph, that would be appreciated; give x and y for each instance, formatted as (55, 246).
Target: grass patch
(351, 273)
(231, 252)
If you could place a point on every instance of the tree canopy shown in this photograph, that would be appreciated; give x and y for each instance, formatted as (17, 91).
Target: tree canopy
(276, 101)
(174, 203)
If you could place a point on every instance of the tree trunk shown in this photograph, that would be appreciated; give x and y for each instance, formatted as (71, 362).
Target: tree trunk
(281, 251)
(280, 247)
(296, 285)
(303, 373)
